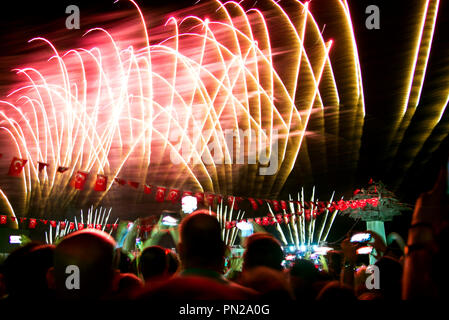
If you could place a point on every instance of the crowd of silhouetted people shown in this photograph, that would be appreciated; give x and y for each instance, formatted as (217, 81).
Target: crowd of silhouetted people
(198, 270)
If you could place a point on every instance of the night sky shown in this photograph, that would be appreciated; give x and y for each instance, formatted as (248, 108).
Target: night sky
(382, 58)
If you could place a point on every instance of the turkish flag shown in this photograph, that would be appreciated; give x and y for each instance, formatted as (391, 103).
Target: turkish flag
(72, 225)
(231, 201)
(265, 221)
(90, 226)
(42, 165)
(15, 169)
(98, 226)
(279, 218)
(80, 180)
(173, 195)
(80, 226)
(3, 220)
(114, 226)
(62, 169)
(187, 194)
(53, 223)
(133, 184)
(62, 224)
(120, 181)
(253, 204)
(275, 205)
(283, 205)
(147, 188)
(160, 194)
(101, 183)
(32, 223)
(210, 199)
(257, 220)
(199, 197)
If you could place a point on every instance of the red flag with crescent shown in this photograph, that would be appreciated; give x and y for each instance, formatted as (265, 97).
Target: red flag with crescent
(101, 182)
(80, 180)
(147, 188)
(173, 195)
(15, 169)
(160, 194)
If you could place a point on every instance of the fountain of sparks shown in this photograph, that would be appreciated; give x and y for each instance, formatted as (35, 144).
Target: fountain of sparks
(263, 73)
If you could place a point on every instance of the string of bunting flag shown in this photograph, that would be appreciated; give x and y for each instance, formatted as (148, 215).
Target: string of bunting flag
(162, 194)
(32, 223)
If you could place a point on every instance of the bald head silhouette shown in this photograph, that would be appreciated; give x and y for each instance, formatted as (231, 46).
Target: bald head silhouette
(93, 253)
(201, 245)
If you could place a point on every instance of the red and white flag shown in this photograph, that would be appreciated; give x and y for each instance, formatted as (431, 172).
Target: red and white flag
(232, 202)
(147, 188)
(62, 169)
(15, 169)
(160, 194)
(275, 205)
(199, 197)
(101, 182)
(187, 194)
(210, 199)
(253, 204)
(133, 184)
(283, 205)
(80, 180)
(42, 166)
(173, 195)
(120, 181)
(3, 219)
(32, 223)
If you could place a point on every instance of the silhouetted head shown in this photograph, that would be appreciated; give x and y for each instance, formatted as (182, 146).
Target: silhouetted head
(262, 249)
(124, 261)
(335, 291)
(129, 285)
(173, 262)
(201, 245)
(153, 262)
(390, 278)
(335, 259)
(303, 278)
(270, 283)
(87, 255)
(25, 271)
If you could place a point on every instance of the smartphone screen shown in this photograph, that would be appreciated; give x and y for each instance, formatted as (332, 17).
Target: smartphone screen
(361, 237)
